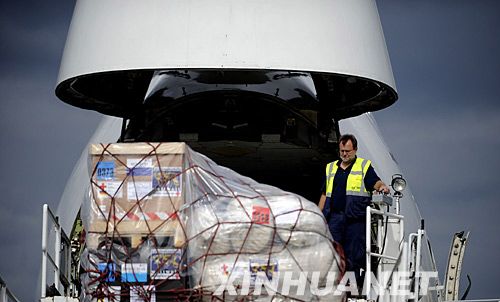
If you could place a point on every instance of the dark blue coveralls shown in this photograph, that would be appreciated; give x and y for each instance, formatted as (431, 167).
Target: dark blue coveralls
(348, 225)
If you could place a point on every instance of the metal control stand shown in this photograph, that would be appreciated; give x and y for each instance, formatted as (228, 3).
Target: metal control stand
(380, 199)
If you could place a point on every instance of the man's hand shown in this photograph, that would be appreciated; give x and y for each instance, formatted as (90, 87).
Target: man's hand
(385, 189)
(380, 186)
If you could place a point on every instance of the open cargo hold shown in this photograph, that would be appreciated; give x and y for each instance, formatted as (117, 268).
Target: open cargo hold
(166, 223)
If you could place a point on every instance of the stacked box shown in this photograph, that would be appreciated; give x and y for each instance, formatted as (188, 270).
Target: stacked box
(135, 188)
(133, 236)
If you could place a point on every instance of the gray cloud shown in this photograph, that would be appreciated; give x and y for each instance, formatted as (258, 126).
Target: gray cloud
(451, 163)
(444, 128)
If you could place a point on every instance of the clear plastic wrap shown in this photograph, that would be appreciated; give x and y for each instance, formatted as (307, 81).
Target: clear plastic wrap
(165, 218)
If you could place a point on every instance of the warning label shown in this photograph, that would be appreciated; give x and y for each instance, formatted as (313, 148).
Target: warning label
(167, 181)
(267, 267)
(260, 215)
(165, 264)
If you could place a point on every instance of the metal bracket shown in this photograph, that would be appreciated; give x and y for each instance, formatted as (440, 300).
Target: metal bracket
(382, 199)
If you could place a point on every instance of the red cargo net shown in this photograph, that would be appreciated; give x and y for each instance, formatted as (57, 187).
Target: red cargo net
(175, 226)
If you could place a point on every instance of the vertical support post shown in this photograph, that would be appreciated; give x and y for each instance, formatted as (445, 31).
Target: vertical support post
(398, 209)
(420, 234)
(3, 292)
(403, 267)
(401, 231)
(410, 252)
(67, 269)
(44, 249)
(46, 255)
(380, 245)
(368, 253)
(57, 249)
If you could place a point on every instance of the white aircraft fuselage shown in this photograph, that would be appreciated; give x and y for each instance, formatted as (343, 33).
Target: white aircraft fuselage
(263, 87)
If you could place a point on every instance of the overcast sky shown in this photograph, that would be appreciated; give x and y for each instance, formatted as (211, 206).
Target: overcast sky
(444, 130)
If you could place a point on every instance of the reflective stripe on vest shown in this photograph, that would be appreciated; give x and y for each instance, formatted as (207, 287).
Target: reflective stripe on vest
(355, 181)
(331, 169)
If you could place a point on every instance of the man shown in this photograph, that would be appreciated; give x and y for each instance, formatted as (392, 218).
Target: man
(346, 194)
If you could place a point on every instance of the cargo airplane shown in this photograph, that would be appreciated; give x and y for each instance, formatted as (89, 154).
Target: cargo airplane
(262, 87)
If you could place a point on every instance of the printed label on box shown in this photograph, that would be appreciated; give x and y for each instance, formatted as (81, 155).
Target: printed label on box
(134, 272)
(146, 293)
(139, 166)
(269, 267)
(110, 188)
(140, 162)
(260, 215)
(105, 170)
(109, 270)
(137, 190)
(167, 181)
(165, 264)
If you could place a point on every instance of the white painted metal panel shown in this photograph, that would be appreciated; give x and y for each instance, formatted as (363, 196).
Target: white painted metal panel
(332, 36)
(77, 186)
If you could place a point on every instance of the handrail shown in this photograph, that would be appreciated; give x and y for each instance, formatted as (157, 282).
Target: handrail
(398, 265)
(5, 293)
(420, 234)
(369, 253)
(60, 274)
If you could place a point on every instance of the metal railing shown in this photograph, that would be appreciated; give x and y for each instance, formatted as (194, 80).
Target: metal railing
(5, 294)
(415, 252)
(369, 254)
(61, 263)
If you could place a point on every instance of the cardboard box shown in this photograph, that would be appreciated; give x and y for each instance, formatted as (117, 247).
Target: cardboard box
(136, 188)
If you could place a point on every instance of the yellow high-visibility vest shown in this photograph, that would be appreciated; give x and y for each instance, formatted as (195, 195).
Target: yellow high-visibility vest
(355, 179)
